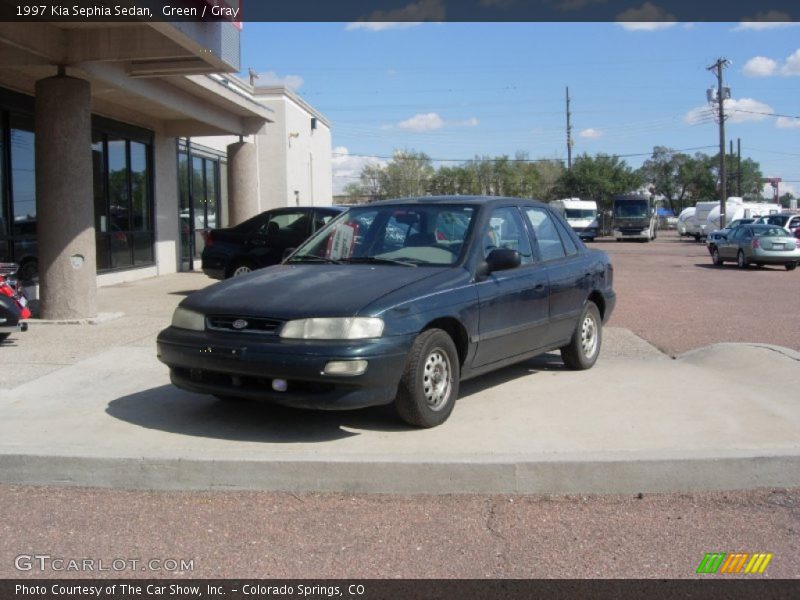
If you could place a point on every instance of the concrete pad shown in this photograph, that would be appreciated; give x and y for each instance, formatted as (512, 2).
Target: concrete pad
(649, 424)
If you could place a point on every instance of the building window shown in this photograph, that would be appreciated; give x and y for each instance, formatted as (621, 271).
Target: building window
(123, 201)
(202, 183)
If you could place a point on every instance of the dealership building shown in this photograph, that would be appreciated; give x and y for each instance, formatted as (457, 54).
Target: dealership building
(121, 142)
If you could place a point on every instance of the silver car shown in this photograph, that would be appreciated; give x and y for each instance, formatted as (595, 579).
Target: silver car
(757, 244)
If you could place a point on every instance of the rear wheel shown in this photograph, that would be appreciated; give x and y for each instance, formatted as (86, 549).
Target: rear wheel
(429, 386)
(715, 257)
(741, 260)
(790, 266)
(584, 347)
(240, 269)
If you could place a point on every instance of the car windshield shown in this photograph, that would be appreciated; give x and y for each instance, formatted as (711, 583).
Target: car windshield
(395, 234)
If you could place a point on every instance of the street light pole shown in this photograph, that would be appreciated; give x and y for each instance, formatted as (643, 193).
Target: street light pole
(722, 93)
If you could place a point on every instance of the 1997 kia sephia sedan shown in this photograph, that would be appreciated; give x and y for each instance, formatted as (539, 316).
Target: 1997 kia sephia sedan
(397, 301)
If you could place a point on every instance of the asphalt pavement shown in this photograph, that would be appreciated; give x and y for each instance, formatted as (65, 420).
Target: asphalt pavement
(89, 405)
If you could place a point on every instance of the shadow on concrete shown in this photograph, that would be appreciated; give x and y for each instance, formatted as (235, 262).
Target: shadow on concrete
(167, 408)
(546, 362)
(183, 292)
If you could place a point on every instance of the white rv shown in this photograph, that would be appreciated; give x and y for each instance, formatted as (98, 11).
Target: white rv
(683, 220)
(736, 209)
(581, 216)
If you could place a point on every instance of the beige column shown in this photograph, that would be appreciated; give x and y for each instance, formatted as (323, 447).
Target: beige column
(64, 199)
(242, 182)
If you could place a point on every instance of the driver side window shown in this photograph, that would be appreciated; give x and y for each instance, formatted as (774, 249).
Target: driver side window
(506, 230)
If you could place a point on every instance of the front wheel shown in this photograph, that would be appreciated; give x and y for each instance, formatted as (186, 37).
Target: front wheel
(584, 347)
(715, 257)
(791, 266)
(741, 260)
(429, 386)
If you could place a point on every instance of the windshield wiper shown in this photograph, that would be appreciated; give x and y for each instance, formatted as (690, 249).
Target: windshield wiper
(378, 260)
(314, 258)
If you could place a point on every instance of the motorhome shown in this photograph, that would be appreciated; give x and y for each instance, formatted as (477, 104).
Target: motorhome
(634, 218)
(581, 216)
(683, 221)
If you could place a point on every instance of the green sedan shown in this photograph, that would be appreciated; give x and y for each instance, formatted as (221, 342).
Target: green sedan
(759, 245)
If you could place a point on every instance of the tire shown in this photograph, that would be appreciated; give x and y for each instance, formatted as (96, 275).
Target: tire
(759, 265)
(715, 257)
(429, 386)
(741, 260)
(790, 266)
(240, 269)
(583, 349)
(4, 336)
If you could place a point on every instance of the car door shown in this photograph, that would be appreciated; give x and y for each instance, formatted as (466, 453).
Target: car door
(567, 271)
(513, 304)
(729, 246)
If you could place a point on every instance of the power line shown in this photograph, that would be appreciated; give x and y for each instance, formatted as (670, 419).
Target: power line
(518, 160)
(756, 112)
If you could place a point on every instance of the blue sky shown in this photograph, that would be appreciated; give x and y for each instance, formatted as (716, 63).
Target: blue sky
(457, 90)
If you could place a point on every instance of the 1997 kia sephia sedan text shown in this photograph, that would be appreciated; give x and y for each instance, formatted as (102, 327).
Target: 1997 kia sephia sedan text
(397, 302)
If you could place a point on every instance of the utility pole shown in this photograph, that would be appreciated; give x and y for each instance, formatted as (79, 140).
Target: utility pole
(569, 134)
(721, 95)
(739, 167)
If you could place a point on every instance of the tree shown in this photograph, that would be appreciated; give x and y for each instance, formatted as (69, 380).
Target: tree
(409, 173)
(663, 171)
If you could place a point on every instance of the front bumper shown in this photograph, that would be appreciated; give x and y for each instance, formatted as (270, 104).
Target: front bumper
(245, 365)
(632, 234)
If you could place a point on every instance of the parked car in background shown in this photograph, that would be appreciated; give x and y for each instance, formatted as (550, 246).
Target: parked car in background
(713, 237)
(397, 302)
(789, 220)
(759, 245)
(262, 240)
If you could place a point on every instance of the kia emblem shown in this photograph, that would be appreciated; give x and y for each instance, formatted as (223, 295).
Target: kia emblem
(239, 324)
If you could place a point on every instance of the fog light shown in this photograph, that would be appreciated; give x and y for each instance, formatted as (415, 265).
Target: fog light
(280, 385)
(346, 367)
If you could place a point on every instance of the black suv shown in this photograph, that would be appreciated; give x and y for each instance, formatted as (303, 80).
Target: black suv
(261, 241)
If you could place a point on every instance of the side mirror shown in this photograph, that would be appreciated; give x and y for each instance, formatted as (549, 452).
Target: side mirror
(502, 259)
(287, 253)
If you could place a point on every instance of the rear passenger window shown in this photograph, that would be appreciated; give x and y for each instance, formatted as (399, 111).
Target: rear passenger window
(566, 238)
(550, 246)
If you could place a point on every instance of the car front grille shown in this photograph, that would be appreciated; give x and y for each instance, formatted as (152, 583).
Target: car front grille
(243, 324)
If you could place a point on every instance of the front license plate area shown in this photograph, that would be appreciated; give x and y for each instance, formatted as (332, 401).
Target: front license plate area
(222, 351)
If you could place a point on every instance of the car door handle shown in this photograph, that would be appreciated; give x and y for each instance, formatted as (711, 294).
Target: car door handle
(538, 287)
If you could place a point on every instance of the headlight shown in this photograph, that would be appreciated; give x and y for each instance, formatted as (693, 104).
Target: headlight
(351, 328)
(188, 319)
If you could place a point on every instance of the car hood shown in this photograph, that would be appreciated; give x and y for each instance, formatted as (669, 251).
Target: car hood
(296, 291)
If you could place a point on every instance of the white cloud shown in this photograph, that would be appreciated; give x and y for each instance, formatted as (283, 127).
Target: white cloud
(268, 78)
(769, 20)
(591, 133)
(787, 123)
(347, 168)
(431, 121)
(410, 15)
(741, 110)
(422, 122)
(648, 17)
(760, 66)
(792, 64)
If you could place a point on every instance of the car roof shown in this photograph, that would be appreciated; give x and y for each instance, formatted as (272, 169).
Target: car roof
(474, 200)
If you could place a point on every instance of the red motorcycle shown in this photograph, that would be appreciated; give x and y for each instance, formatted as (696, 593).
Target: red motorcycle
(13, 303)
